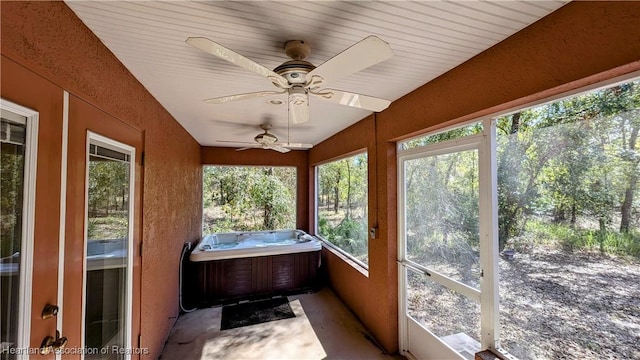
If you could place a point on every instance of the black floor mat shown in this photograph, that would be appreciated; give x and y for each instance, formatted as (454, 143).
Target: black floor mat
(256, 312)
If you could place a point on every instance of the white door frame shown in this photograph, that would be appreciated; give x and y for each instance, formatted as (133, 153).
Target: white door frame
(487, 296)
(96, 139)
(28, 224)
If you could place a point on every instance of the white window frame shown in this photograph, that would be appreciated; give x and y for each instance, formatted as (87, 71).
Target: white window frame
(28, 223)
(96, 139)
(350, 259)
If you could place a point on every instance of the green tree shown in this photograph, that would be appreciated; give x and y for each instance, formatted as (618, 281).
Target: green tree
(248, 198)
(573, 157)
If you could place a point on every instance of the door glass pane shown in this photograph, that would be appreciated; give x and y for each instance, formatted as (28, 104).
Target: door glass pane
(441, 210)
(453, 317)
(107, 234)
(12, 140)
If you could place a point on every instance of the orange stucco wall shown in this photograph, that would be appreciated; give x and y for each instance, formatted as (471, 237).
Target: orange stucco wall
(47, 98)
(580, 44)
(55, 51)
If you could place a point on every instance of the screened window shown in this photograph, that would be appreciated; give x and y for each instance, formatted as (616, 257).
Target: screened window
(568, 217)
(248, 198)
(563, 243)
(341, 199)
(440, 136)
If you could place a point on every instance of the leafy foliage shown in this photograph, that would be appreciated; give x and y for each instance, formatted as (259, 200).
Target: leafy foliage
(342, 205)
(12, 184)
(248, 198)
(575, 158)
(572, 164)
(108, 199)
(349, 235)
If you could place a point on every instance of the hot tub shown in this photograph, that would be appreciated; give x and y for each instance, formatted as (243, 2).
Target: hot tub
(235, 245)
(236, 265)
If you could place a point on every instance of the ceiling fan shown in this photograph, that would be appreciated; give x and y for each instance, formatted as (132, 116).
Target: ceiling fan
(299, 78)
(269, 141)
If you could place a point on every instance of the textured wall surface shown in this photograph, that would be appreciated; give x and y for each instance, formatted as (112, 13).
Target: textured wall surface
(580, 44)
(31, 91)
(50, 41)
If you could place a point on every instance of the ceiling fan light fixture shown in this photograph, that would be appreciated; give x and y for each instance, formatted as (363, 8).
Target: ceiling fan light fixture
(275, 101)
(265, 139)
(297, 95)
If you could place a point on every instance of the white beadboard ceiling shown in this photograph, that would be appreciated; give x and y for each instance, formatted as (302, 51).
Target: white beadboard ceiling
(428, 38)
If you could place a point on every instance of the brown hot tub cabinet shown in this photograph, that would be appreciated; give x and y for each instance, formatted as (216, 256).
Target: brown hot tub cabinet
(233, 266)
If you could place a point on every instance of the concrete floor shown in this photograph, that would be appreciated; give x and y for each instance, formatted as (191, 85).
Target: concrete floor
(322, 329)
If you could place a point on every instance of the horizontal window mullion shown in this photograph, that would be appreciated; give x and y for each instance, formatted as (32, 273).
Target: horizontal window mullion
(452, 284)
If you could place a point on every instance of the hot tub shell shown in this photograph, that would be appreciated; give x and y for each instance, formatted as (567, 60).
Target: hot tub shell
(276, 263)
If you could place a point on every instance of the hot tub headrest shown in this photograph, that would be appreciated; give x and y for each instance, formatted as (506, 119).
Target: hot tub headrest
(208, 242)
(305, 238)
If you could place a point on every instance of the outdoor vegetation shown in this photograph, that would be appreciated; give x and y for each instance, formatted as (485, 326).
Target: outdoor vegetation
(11, 183)
(342, 205)
(11, 214)
(569, 237)
(248, 198)
(108, 199)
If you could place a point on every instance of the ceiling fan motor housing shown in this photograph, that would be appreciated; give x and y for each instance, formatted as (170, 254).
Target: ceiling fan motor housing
(297, 49)
(295, 71)
(265, 138)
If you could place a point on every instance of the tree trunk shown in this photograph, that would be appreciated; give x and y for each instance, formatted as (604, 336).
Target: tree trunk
(515, 123)
(625, 210)
(603, 230)
(348, 191)
(269, 221)
(108, 202)
(509, 208)
(336, 193)
(559, 214)
(627, 203)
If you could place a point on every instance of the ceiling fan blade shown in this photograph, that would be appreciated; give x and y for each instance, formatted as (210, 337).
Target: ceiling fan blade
(246, 148)
(352, 99)
(233, 57)
(278, 148)
(296, 145)
(228, 98)
(235, 142)
(367, 52)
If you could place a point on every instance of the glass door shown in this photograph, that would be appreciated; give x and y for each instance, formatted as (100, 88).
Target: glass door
(108, 273)
(102, 258)
(439, 250)
(16, 229)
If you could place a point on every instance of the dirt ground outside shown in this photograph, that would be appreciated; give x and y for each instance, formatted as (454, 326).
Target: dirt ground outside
(553, 305)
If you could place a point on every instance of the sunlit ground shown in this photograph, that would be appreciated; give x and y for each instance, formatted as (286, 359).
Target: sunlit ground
(322, 329)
